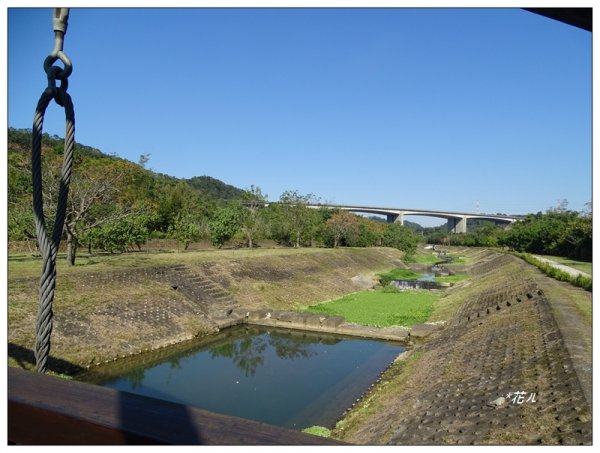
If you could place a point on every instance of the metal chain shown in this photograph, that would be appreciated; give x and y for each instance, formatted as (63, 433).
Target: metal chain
(49, 248)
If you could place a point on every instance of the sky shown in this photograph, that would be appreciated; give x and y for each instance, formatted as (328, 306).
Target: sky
(454, 109)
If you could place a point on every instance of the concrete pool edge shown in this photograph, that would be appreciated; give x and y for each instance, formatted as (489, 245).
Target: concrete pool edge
(288, 320)
(321, 323)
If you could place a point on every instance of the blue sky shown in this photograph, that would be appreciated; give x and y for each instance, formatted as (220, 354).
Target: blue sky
(414, 108)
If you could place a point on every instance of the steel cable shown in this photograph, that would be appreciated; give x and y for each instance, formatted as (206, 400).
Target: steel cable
(49, 246)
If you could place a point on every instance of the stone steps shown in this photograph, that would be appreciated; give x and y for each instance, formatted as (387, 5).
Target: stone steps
(212, 299)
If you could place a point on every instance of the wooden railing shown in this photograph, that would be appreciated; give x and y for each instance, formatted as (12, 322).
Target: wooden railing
(47, 410)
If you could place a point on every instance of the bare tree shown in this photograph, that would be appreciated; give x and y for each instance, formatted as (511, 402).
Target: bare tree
(252, 222)
(93, 199)
(144, 159)
(298, 216)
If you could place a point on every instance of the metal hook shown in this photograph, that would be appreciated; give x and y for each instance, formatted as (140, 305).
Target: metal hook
(60, 21)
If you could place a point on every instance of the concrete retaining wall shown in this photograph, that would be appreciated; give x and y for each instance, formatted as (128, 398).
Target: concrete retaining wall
(316, 323)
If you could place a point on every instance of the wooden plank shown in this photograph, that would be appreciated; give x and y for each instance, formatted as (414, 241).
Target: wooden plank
(46, 410)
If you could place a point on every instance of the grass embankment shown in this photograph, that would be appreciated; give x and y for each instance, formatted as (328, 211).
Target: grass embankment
(381, 308)
(30, 266)
(375, 401)
(377, 417)
(274, 278)
(109, 306)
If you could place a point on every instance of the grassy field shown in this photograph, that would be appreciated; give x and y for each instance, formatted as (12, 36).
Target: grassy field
(424, 257)
(29, 266)
(381, 309)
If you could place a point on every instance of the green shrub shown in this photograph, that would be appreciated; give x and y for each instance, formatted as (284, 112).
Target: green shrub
(317, 431)
(583, 282)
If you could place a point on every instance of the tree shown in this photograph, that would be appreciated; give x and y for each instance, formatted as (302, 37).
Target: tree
(175, 197)
(275, 224)
(343, 227)
(557, 232)
(580, 238)
(370, 233)
(120, 234)
(95, 185)
(224, 224)
(252, 220)
(163, 195)
(400, 237)
(140, 226)
(185, 229)
(143, 160)
(21, 226)
(296, 218)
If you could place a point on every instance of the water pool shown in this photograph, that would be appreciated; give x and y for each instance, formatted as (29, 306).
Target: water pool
(282, 377)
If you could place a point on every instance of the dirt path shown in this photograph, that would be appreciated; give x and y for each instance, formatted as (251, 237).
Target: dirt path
(569, 270)
(571, 308)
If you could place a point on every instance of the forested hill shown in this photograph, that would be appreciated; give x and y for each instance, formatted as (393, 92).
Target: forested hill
(19, 141)
(115, 204)
(215, 188)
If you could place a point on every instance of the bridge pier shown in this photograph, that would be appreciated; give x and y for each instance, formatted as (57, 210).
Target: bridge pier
(396, 218)
(457, 224)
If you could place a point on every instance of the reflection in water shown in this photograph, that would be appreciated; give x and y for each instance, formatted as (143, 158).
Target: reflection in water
(271, 375)
(136, 378)
(245, 354)
(248, 353)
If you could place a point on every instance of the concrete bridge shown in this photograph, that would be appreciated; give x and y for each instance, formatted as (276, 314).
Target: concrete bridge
(457, 221)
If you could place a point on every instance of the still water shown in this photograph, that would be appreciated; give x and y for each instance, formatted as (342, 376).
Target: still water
(277, 376)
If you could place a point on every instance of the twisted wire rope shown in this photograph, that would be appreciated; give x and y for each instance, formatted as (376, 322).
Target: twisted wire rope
(49, 247)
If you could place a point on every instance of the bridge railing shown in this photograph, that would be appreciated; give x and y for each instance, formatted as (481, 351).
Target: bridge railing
(47, 410)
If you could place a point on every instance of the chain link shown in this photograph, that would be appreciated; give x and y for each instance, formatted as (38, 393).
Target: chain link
(54, 73)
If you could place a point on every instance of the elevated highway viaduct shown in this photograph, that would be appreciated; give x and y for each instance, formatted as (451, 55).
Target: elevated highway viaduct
(457, 221)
